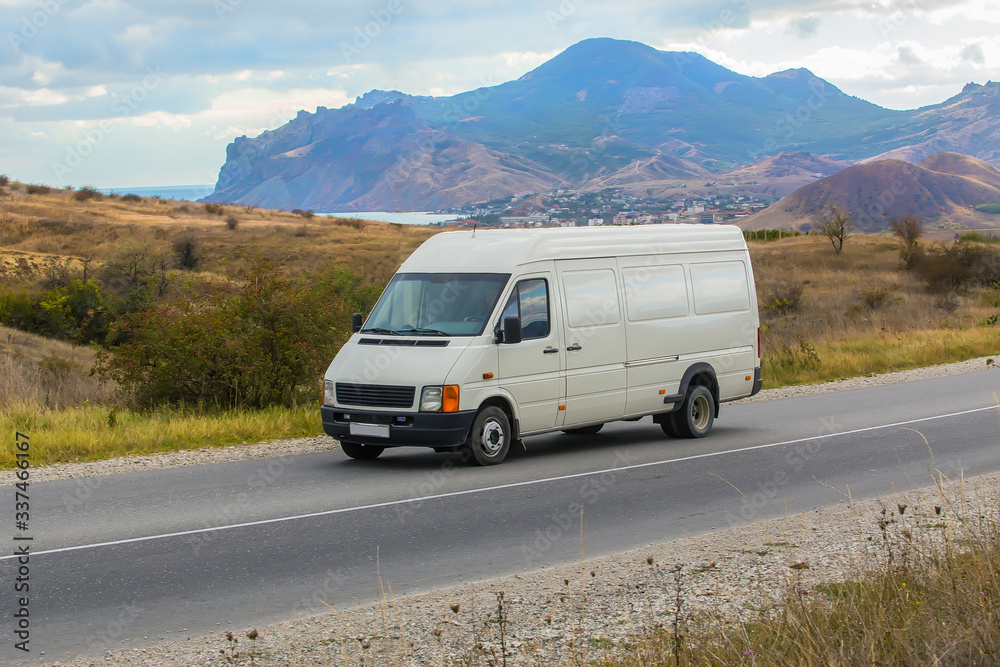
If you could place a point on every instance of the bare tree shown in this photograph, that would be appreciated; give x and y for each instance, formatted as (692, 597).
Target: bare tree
(838, 228)
(908, 228)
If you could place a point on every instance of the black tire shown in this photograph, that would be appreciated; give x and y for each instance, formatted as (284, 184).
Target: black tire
(361, 452)
(584, 430)
(669, 425)
(697, 413)
(490, 436)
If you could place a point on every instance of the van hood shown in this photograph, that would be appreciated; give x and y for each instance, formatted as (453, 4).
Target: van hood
(417, 361)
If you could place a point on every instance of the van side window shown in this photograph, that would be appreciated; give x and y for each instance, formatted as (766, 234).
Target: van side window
(591, 298)
(655, 292)
(530, 301)
(720, 287)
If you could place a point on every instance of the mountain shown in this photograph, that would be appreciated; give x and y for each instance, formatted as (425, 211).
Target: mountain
(603, 113)
(943, 185)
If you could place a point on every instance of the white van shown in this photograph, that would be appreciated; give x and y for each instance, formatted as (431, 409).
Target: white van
(485, 337)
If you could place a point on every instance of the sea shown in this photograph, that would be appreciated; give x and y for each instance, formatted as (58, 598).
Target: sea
(185, 192)
(401, 217)
(196, 192)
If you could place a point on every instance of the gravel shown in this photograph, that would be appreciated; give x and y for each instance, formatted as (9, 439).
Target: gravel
(577, 612)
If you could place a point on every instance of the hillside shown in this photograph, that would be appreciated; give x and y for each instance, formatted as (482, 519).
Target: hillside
(47, 236)
(941, 190)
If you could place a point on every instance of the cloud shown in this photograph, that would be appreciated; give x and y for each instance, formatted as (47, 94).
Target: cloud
(804, 27)
(973, 53)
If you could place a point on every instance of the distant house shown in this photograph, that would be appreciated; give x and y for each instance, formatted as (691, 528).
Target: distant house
(710, 218)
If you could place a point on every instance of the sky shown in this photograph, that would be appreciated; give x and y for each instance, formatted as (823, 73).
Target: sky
(120, 93)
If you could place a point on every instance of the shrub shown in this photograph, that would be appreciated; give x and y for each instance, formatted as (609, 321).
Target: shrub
(908, 229)
(87, 193)
(949, 302)
(135, 199)
(186, 251)
(78, 312)
(957, 266)
(214, 209)
(356, 223)
(988, 208)
(784, 298)
(232, 222)
(261, 342)
(36, 189)
(4, 180)
(874, 297)
(308, 214)
(769, 234)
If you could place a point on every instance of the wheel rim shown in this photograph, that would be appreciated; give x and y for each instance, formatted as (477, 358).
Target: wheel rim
(700, 412)
(491, 438)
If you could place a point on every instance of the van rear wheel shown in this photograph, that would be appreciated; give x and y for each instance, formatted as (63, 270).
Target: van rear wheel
(697, 414)
(361, 452)
(490, 436)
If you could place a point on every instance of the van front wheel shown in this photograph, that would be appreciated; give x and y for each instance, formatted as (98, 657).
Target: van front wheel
(697, 414)
(489, 439)
(361, 452)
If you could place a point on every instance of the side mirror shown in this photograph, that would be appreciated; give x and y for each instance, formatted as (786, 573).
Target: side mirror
(357, 320)
(512, 330)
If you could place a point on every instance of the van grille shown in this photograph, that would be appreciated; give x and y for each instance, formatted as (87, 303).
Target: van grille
(375, 395)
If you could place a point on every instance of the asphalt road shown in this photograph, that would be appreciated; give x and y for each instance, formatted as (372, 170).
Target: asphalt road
(129, 560)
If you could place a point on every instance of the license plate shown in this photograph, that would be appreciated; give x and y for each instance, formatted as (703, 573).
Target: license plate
(371, 430)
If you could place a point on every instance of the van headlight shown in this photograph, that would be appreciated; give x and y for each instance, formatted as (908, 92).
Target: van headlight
(439, 398)
(328, 393)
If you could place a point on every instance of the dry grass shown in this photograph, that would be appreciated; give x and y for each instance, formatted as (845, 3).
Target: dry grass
(857, 313)
(47, 373)
(35, 230)
(92, 432)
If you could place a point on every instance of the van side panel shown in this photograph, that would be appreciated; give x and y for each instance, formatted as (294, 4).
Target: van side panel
(684, 309)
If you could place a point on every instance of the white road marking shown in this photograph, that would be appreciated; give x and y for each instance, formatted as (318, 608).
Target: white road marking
(452, 494)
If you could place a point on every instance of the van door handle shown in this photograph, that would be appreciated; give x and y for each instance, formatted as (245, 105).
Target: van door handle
(550, 350)
(574, 347)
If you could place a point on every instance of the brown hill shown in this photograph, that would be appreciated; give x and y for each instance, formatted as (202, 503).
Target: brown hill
(784, 172)
(964, 165)
(875, 192)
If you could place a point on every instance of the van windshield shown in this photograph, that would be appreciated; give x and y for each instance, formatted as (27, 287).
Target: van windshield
(436, 304)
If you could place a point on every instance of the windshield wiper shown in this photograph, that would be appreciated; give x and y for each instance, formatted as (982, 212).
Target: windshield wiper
(423, 331)
(380, 330)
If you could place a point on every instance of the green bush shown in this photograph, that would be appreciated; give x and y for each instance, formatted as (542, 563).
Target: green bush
(77, 312)
(262, 342)
(769, 234)
(988, 208)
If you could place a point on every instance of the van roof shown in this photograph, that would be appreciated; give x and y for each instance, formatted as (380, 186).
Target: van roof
(501, 250)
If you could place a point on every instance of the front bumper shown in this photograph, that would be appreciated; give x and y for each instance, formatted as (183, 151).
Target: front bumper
(422, 429)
